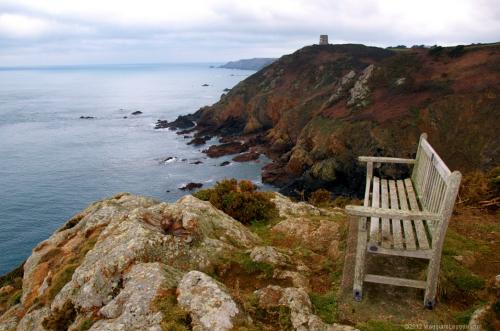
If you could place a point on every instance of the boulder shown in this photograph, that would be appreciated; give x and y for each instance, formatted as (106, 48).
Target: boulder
(208, 302)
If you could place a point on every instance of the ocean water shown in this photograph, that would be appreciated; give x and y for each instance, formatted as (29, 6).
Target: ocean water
(53, 164)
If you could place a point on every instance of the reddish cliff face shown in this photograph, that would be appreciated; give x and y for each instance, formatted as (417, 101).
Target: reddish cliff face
(318, 108)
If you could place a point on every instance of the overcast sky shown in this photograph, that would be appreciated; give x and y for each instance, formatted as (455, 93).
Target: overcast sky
(150, 31)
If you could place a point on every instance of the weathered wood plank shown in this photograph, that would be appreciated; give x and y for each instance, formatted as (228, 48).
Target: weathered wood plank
(359, 267)
(419, 225)
(363, 211)
(374, 221)
(419, 254)
(381, 159)
(386, 237)
(396, 223)
(394, 281)
(407, 227)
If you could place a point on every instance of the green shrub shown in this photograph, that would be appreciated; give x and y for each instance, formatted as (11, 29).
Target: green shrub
(240, 200)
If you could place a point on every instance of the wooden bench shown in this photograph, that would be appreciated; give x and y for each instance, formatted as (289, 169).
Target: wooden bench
(406, 217)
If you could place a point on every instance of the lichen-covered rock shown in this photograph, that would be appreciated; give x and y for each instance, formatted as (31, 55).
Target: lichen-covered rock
(10, 319)
(346, 82)
(361, 90)
(270, 255)
(131, 308)
(301, 311)
(49, 253)
(208, 302)
(112, 258)
(288, 208)
(33, 320)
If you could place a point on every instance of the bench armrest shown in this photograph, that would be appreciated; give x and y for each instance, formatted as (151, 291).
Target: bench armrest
(391, 213)
(382, 159)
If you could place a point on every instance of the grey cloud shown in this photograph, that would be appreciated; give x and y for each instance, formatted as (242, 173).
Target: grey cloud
(234, 32)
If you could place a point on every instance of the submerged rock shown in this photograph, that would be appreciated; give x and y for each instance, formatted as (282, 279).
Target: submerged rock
(137, 112)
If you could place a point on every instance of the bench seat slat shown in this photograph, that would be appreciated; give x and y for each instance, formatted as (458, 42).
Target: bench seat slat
(396, 223)
(374, 221)
(419, 224)
(407, 227)
(386, 237)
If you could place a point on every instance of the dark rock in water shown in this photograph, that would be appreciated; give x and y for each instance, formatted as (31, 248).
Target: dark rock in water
(182, 122)
(245, 157)
(184, 160)
(233, 147)
(161, 124)
(187, 137)
(87, 117)
(225, 163)
(199, 141)
(191, 186)
(168, 191)
(205, 85)
(196, 162)
(137, 112)
(226, 90)
(125, 117)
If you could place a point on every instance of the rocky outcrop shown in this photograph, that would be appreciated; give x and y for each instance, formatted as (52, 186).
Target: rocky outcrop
(130, 263)
(360, 92)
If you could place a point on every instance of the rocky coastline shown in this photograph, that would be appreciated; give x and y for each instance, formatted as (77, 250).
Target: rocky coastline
(314, 111)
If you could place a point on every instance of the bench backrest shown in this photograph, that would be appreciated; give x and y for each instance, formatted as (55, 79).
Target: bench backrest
(435, 185)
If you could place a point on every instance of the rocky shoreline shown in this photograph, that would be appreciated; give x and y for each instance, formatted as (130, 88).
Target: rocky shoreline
(314, 111)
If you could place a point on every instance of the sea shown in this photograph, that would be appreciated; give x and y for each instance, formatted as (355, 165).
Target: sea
(53, 163)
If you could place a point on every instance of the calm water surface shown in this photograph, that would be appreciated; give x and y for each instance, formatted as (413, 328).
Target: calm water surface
(53, 164)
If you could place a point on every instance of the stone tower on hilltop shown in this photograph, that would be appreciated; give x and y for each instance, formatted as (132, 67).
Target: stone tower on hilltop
(323, 39)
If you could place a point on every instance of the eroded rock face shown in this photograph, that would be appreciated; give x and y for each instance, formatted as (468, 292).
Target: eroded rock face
(208, 302)
(361, 91)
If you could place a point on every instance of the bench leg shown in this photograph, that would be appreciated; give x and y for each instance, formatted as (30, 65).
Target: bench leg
(359, 268)
(432, 279)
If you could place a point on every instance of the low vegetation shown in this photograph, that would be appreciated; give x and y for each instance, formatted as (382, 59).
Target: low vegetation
(174, 317)
(240, 200)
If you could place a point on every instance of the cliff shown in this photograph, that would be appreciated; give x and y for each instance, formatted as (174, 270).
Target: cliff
(248, 64)
(314, 111)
